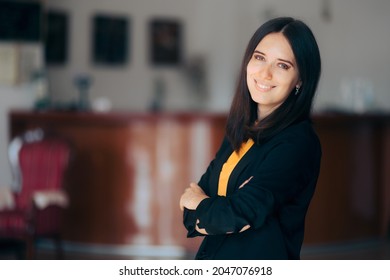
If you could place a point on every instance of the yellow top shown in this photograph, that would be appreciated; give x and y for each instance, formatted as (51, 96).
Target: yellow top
(229, 165)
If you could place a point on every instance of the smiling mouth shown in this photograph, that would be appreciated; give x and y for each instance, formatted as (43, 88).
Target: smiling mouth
(263, 87)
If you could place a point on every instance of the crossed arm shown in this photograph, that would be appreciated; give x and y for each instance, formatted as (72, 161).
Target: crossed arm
(193, 196)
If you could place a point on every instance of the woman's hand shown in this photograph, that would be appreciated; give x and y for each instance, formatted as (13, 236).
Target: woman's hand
(191, 197)
(246, 182)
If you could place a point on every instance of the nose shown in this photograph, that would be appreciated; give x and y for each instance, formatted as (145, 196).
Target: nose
(266, 72)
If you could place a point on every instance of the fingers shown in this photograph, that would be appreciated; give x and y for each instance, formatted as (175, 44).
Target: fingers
(191, 197)
(183, 198)
(200, 230)
(245, 228)
(187, 194)
(246, 182)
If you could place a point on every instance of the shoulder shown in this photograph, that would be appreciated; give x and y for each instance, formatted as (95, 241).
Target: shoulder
(301, 132)
(299, 138)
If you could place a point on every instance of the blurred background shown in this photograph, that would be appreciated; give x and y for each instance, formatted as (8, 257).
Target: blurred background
(142, 88)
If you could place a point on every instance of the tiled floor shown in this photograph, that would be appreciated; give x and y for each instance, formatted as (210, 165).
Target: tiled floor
(358, 250)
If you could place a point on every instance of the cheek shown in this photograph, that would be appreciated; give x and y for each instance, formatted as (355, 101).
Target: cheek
(251, 69)
(248, 74)
(289, 81)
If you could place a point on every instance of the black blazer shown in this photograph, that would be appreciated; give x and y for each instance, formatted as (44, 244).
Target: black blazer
(274, 202)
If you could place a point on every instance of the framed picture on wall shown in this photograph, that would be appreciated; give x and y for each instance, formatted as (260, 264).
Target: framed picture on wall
(21, 21)
(110, 37)
(56, 38)
(165, 42)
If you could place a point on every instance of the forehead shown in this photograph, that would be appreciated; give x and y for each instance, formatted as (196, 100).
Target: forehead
(276, 44)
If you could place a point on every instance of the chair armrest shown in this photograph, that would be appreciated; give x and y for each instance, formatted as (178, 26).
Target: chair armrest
(42, 199)
(7, 199)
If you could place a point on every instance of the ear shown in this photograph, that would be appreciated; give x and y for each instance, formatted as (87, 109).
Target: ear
(299, 84)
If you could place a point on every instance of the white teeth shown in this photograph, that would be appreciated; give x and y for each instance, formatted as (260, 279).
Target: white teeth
(265, 87)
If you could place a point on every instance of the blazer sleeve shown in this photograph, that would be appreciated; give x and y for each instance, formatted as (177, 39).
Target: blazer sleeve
(288, 167)
(189, 216)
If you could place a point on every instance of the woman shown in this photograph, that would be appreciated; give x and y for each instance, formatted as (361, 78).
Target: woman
(252, 201)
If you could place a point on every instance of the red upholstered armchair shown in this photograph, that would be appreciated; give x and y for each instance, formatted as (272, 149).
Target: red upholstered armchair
(37, 197)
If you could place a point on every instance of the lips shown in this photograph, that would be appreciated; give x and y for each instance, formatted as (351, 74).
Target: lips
(263, 87)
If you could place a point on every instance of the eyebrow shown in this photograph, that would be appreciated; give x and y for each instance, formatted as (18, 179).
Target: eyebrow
(281, 59)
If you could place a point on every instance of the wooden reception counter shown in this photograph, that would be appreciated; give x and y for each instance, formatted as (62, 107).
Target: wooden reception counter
(129, 170)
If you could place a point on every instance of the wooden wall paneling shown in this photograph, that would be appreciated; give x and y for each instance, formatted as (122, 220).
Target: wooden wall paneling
(141, 159)
(98, 185)
(345, 205)
(385, 179)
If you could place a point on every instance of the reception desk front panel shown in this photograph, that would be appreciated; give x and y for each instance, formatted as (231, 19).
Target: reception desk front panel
(129, 170)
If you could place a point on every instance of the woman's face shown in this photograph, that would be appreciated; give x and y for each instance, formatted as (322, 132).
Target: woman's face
(272, 73)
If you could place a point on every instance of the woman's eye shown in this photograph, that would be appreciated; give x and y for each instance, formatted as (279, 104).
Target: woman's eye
(284, 66)
(259, 57)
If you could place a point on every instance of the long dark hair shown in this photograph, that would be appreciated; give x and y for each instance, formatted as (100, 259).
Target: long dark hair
(241, 122)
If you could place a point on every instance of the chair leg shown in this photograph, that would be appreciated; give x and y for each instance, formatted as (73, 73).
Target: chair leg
(30, 250)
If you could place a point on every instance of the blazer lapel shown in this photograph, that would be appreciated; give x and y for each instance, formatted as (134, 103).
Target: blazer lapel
(214, 178)
(248, 158)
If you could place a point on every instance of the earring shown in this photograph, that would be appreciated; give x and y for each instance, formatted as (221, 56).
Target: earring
(296, 90)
